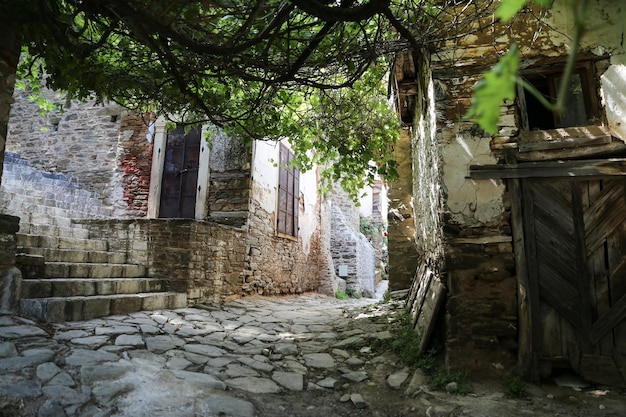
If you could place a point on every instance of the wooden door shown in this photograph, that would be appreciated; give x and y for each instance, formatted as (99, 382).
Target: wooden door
(575, 234)
(180, 174)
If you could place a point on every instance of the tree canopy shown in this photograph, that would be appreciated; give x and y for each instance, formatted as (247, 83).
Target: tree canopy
(310, 70)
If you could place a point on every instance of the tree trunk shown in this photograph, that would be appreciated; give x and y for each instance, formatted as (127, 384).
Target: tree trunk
(10, 44)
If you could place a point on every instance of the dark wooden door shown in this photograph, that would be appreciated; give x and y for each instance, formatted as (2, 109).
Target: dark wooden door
(180, 174)
(575, 234)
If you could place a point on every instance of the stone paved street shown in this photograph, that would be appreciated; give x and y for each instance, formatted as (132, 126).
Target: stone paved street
(307, 355)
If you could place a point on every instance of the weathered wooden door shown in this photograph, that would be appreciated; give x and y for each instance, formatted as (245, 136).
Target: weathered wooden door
(575, 234)
(180, 174)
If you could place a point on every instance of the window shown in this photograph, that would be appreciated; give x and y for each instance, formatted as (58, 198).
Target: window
(288, 194)
(581, 103)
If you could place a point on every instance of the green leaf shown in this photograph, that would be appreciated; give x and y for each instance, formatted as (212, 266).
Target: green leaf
(509, 8)
(547, 3)
(497, 85)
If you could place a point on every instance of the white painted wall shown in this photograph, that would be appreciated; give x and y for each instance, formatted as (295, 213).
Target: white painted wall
(614, 99)
(265, 182)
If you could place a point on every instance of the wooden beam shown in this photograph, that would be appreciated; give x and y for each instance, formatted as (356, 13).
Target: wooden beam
(615, 148)
(566, 169)
(527, 354)
(565, 143)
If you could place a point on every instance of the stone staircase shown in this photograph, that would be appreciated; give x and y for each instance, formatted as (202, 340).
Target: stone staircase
(67, 275)
(73, 278)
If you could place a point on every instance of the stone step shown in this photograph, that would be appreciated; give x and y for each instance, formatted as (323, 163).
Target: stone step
(80, 256)
(41, 210)
(72, 287)
(58, 309)
(92, 270)
(39, 241)
(76, 232)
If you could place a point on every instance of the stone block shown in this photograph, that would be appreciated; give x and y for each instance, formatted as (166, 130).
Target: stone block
(10, 289)
(154, 301)
(96, 307)
(125, 304)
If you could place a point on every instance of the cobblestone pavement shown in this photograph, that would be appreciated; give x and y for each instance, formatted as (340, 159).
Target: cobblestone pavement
(307, 355)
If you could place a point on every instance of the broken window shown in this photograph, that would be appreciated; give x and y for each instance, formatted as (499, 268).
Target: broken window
(581, 103)
(288, 194)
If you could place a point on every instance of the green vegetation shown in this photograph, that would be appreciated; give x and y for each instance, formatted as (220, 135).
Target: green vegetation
(341, 295)
(514, 385)
(370, 227)
(312, 71)
(405, 344)
(440, 379)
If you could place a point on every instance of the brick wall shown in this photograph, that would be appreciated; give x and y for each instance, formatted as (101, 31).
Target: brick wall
(134, 164)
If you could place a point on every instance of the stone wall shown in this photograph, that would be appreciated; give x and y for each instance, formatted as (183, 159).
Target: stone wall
(229, 187)
(79, 142)
(481, 308)
(99, 148)
(278, 264)
(206, 260)
(350, 248)
(10, 276)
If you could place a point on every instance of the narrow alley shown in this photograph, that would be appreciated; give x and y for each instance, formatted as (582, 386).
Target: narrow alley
(306, 355)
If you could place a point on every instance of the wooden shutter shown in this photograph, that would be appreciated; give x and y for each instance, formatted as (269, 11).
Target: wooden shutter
(288, 194)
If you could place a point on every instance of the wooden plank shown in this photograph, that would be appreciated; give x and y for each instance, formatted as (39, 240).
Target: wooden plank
(551, 346)
(528, 359)
(430, 309)
(566, 169)
(565, 143)
(589, 132)
(619, 357)
(582, 275)
(610, 149)
(528, 354)
(600, 300)
(605, 214)
(534, 333)
(601, 370)
(609, 320)
(564, 299)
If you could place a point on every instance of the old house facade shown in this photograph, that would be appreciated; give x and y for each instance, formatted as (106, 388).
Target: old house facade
(520, 237)
(212, 220)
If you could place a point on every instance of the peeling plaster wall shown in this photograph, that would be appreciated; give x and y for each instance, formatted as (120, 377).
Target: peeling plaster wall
(481, 307)
(475, 203)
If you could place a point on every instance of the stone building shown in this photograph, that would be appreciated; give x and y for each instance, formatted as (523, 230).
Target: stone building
(204, 221)
(520, 237)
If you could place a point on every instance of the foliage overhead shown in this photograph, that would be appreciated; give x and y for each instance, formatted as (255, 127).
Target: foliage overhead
(310, 70)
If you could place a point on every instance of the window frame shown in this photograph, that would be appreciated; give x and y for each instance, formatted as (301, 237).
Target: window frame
(553, 73)
(288, 195)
